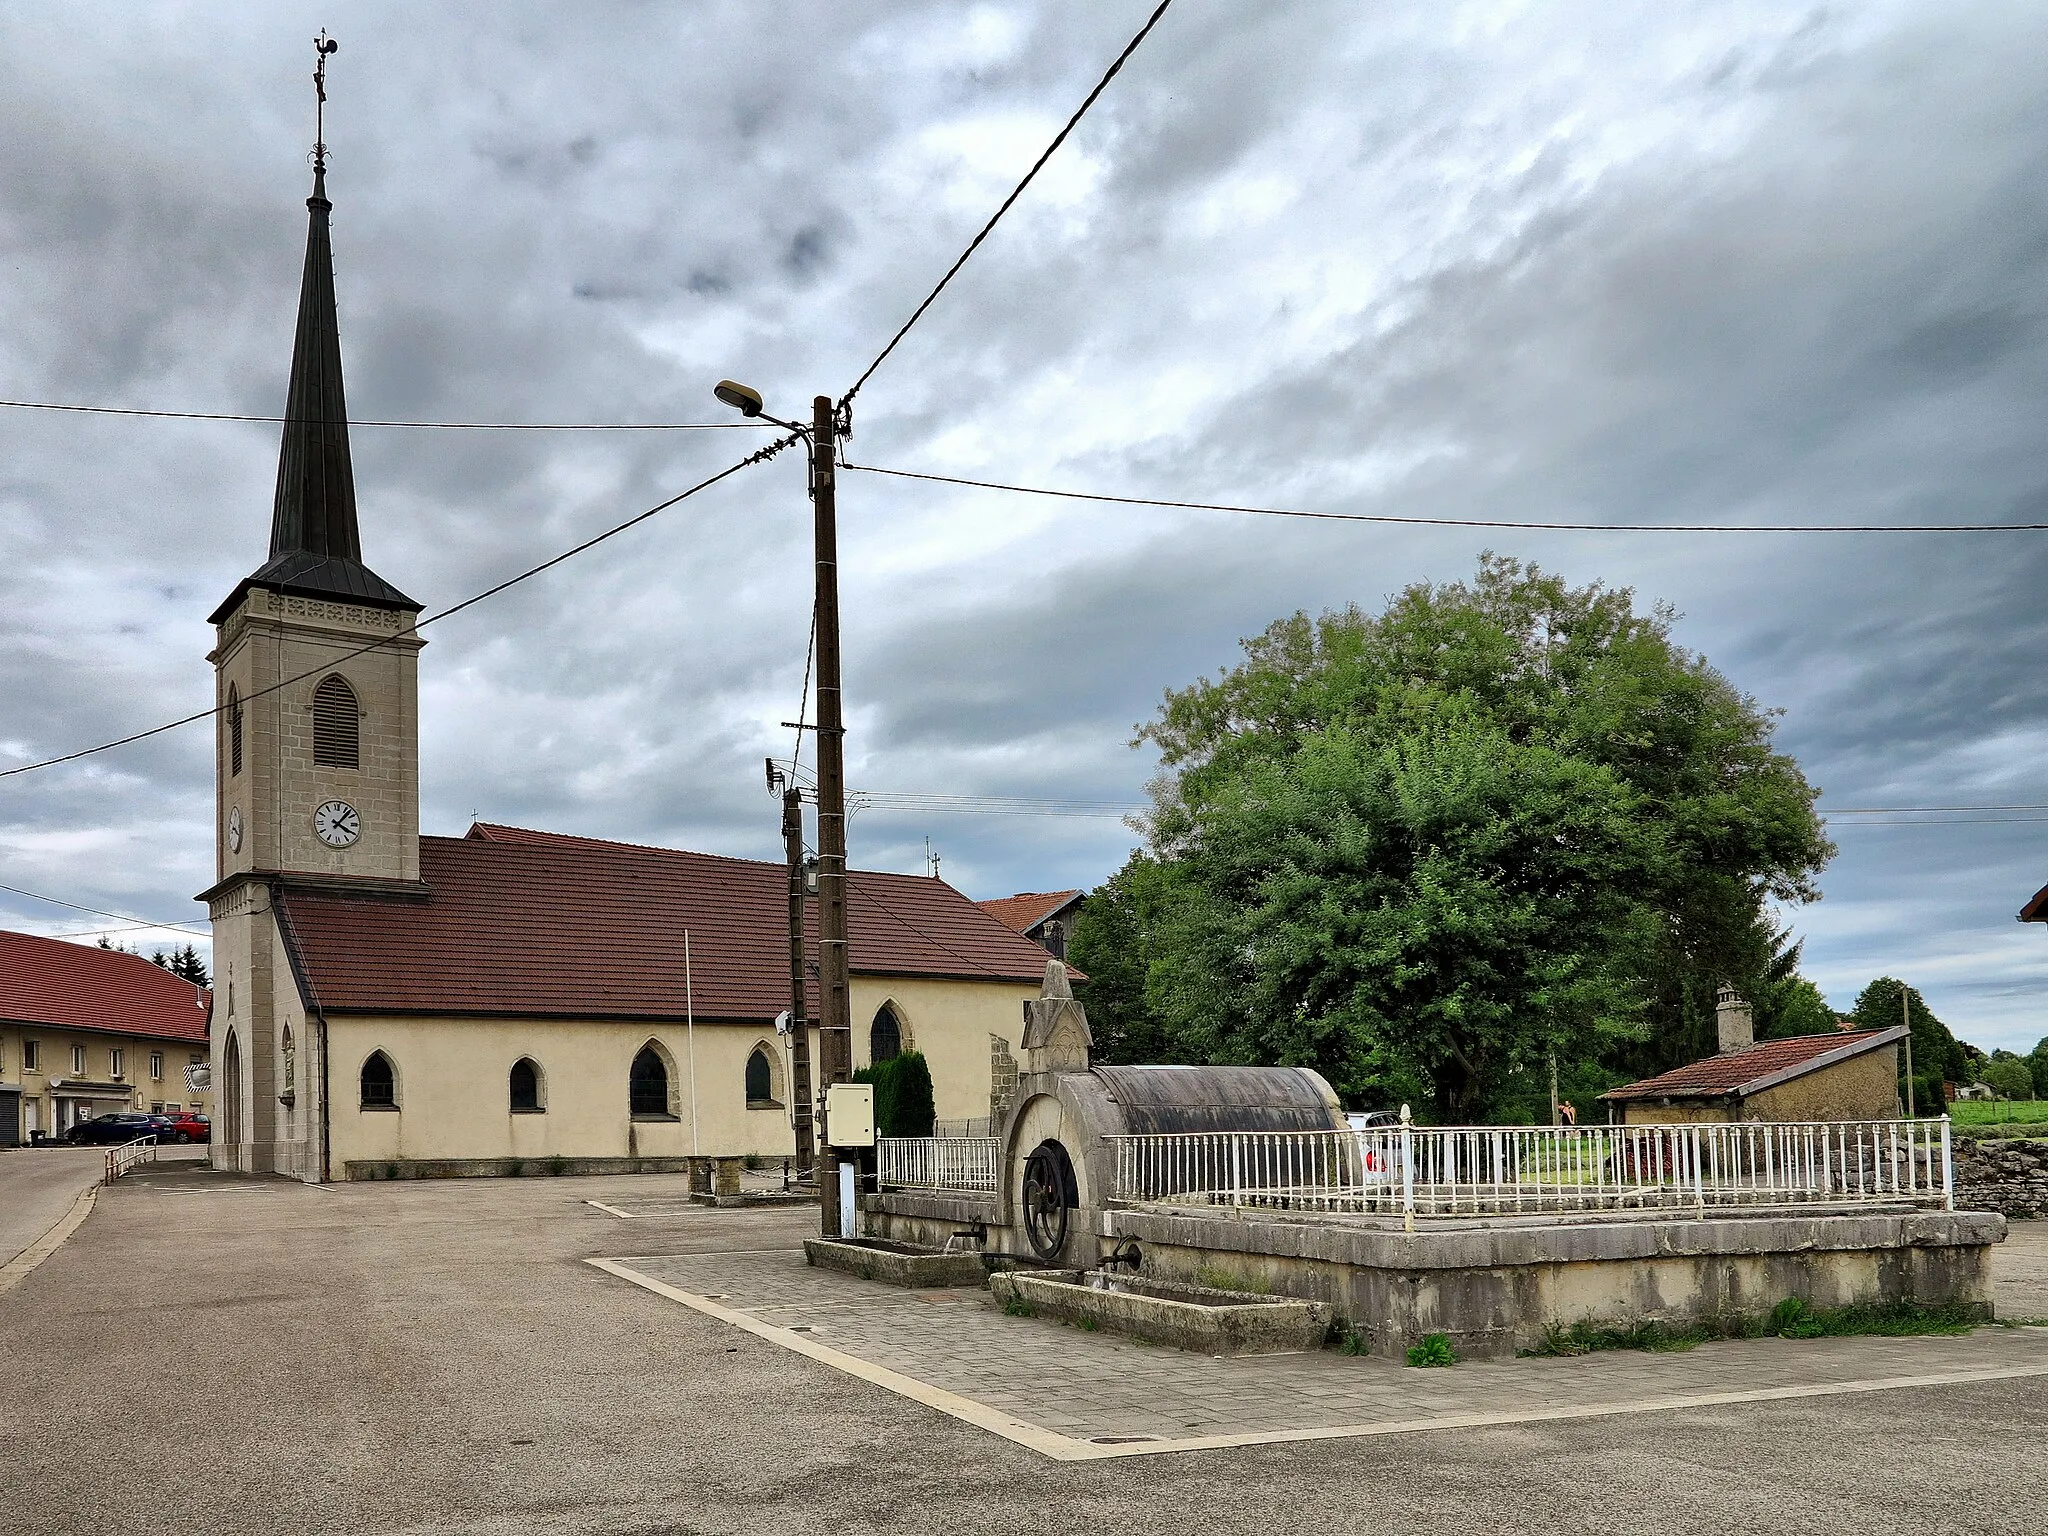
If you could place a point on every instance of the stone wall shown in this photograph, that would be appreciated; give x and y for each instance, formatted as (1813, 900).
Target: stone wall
(2010, 1177)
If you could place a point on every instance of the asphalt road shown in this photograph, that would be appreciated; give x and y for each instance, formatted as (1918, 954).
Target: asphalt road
(226, 1355)
(38, 1186)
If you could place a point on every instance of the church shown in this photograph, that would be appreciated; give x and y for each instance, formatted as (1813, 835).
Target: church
(387, 1003)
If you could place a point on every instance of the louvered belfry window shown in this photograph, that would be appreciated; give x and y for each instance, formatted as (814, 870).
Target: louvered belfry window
(234, 730)
(336, 725)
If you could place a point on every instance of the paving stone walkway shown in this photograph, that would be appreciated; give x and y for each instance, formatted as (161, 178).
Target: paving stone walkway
(1102, 1390)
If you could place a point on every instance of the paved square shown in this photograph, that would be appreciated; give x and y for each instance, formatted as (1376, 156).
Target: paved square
(1076, 1395)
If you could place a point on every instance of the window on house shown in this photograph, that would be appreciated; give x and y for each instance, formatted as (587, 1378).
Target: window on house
(526, 1088)
(885, 1036)
(380, 1083)
(337, 724)
(1056, 939)
(648, 1088)
(31, 1055)
(156, 1066)
(234, 730)
(117, 1061)
(760, 1078)
(78, 1061)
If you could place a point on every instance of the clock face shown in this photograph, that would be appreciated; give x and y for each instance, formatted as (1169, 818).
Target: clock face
(336, 824)
(235, 829)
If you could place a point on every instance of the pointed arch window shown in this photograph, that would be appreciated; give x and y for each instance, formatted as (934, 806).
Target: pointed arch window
(760, 1078)
(379, 1082)
(525, 1087)
(234, 730)
(647, 1087)
(885, 1035)
(337, 724)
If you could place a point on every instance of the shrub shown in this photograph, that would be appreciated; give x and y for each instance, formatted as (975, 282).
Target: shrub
(904, 1104)
(1435, 1349)
(915, 1107)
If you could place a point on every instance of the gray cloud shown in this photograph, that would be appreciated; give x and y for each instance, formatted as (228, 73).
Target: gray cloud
(1727, 262)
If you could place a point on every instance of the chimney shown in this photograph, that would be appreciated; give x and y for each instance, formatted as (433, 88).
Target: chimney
(1733, 1020)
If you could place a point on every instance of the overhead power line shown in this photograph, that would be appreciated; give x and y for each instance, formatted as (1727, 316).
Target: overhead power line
(990, 805)
(1445, 522)
(124, 917)
(1015, 192)
(1903, 810)
(760, 455)
(445, 426)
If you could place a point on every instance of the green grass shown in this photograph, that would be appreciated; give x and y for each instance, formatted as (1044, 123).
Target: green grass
(1966, 1113)
(1218, 1279)
(1789, 1319)
(1017, 1306)
(1354, 1341)
(1435, 1349)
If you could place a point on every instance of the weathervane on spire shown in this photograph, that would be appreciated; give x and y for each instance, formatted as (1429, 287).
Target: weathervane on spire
(323, 46)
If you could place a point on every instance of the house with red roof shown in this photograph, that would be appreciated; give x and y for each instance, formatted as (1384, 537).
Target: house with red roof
(1046, 918)
(1841, 1075)
(397, 1004)
(87, 1031)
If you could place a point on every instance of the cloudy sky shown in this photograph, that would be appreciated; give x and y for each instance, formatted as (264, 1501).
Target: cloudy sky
(1684, 262)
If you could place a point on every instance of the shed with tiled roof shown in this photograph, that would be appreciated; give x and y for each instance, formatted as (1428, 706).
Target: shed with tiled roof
(1842, 1075)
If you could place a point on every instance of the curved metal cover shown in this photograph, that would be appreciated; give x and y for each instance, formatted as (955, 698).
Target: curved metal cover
(1169, 1101)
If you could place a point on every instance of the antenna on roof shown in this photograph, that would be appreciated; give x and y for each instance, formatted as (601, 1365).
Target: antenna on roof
(931, 858)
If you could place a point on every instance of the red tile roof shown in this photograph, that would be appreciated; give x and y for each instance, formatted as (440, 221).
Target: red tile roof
(1028, 909)
(80, 986)
(1759, 1067)
(534, 923)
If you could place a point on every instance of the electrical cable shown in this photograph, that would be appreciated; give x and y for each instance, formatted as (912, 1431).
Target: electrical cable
(760, 455)
(448, 426)
(974, 245)
(1448, 522)
(124, 917)
(853, 886)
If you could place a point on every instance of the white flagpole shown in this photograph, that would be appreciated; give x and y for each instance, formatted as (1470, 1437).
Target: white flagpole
(690, 1014)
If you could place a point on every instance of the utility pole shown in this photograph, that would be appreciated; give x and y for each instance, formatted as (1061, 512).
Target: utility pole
(835, 1023)
(799, 1008)
(1906, 1018)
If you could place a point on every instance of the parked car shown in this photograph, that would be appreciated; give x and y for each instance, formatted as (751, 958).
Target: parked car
(113, 1130)
(189, 1126)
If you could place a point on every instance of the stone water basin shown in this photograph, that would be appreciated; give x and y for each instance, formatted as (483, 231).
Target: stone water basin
(894, 1263)
(1199, 1318)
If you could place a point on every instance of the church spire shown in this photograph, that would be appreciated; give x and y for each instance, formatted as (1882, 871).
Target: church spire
(315, 549)
(315, 510)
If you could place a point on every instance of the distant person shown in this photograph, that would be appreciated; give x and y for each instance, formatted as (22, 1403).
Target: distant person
(1567, 1113)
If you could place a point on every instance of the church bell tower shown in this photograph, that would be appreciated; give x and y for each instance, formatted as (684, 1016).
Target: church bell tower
(317, 741)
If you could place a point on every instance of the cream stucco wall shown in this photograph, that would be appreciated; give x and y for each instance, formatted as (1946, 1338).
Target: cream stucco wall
(950, 1020)
(453, 1078)
(454, 1097)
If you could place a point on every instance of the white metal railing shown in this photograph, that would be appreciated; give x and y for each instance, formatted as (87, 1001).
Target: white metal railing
(1416, 1171)
(120, 1159)
(938, 1162)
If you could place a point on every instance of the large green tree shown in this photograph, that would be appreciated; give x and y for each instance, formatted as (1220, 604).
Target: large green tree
(1432, 845)
(1938, 1055)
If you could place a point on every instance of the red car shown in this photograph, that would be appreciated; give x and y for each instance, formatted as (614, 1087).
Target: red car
(187, 1127)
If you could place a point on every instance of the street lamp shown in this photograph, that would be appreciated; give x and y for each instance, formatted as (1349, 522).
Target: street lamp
(835, 1020)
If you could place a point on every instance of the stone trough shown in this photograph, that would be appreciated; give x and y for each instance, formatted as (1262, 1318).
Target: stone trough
(897, 1263)
(1198, 1318)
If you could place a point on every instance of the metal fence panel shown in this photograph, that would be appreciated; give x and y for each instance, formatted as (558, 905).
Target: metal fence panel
(1482, 1170)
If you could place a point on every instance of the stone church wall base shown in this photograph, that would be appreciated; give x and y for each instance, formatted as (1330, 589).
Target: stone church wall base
(358, 1169)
